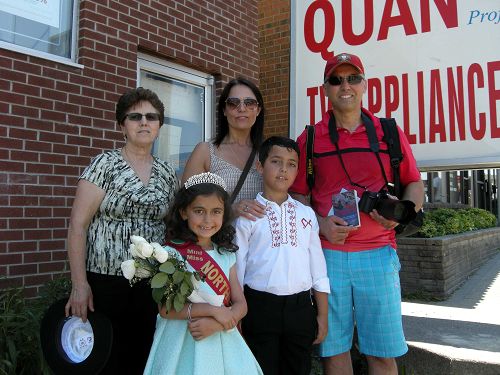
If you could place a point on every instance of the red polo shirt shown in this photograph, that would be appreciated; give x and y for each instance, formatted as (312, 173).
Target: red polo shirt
(363, 168)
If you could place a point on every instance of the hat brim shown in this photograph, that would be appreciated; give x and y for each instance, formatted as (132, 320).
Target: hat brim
(50, 338)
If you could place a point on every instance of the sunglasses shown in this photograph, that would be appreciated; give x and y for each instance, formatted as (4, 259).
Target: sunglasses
(136, 116)
(353, 79)
(234, 103)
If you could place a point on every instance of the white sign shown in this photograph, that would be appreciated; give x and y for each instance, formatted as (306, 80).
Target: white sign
(43, 11)
(433, 65)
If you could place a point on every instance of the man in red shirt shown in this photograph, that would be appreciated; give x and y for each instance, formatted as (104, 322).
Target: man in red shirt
(362, 263)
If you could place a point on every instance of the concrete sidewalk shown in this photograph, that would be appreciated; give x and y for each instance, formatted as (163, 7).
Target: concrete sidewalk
(460, 335)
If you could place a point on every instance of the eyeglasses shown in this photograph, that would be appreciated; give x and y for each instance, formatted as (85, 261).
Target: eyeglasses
(136, 116)
(353, 79)
(234, 103)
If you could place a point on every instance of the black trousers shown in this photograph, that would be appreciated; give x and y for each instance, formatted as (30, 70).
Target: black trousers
(280, 331)
(132, 312)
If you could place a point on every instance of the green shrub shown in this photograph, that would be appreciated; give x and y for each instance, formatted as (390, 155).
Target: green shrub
(443, 221)
(20, 351)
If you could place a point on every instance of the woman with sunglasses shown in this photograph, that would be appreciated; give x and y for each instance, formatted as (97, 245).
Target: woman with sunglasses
(121, 193)
(241, 126)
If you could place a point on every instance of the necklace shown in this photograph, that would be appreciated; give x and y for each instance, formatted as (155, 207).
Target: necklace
(142, 171)
(239, 162)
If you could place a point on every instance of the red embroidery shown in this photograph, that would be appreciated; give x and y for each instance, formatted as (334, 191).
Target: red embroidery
(287, 229)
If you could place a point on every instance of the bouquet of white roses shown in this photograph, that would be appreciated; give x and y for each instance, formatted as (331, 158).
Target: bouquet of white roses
(166, 271)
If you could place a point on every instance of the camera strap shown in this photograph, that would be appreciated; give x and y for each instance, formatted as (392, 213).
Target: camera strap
(372, 139)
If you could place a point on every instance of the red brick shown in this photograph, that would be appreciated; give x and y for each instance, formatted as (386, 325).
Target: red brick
(53, 244)
(51, 267)
(10, 259)
(10, 282)
(24, 269)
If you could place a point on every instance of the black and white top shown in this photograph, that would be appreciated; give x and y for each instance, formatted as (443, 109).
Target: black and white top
(129, 208)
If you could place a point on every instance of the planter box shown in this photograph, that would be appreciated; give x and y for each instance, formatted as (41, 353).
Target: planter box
(437, 266)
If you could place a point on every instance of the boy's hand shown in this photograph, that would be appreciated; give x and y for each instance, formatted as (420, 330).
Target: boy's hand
(201, 328)
(322, 329)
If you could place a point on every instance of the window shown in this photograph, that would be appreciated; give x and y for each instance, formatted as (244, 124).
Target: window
(188, 98)
(44, 28)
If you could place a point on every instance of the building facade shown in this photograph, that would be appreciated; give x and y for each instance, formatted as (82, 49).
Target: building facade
(58, 94)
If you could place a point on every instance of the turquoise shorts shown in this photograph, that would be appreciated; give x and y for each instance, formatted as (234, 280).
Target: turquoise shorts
(365, 291)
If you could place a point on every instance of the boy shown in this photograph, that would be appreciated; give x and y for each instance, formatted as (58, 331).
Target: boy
(279, 261)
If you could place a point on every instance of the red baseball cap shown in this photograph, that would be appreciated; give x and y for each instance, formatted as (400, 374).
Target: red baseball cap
(343, 58)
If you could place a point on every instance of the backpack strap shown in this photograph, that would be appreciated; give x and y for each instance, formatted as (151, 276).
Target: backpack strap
(391, 137)
(309, 156)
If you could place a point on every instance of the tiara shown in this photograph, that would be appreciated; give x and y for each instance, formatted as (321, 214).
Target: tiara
(205, 178)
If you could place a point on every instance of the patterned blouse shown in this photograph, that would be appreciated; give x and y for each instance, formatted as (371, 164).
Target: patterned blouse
(231, 175)
(128, 208)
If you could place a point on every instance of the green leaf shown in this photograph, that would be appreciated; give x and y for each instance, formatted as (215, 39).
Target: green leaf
(178, 277)
(168, 304)
(157, 294)
(179, 302)
(167, 267)
(185, 288)
(159, 280)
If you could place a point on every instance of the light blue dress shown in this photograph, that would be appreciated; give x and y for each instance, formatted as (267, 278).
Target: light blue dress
(175, 352)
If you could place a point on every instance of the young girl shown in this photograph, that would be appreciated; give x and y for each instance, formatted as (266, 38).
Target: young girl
(201, 339)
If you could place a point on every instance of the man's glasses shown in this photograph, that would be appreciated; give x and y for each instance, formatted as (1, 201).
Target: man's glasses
(353, 79)
(136, 116)
(234, 103)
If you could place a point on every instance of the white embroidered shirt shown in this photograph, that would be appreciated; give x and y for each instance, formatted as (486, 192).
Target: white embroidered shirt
(281, 253)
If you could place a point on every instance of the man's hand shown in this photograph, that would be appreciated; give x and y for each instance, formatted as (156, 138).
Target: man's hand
(386, 223)
(334, 229)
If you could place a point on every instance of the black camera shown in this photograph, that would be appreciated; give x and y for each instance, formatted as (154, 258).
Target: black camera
(401, 211)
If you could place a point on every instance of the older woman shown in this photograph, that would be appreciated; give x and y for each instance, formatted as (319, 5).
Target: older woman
(241, 127)
(121, 193)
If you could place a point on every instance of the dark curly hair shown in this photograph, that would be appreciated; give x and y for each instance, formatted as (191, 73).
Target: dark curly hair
(178, 229)
(134, 96)
(257, 131)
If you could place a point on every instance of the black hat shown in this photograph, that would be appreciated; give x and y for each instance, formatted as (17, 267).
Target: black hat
(73, 347)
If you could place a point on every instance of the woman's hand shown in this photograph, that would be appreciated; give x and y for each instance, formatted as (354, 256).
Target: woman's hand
(79, 300)
(201, 328)
(249, 208)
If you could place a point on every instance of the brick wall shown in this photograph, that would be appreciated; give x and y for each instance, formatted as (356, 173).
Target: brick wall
(438, 266)
(274, 52)
(54, 117)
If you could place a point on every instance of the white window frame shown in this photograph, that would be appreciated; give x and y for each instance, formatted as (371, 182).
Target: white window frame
(188, 75)
(48, 56)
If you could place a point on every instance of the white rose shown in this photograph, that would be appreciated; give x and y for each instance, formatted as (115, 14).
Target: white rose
(133, 251)
(137, 239)
(144, 248)
(128, 269)
(159, 253)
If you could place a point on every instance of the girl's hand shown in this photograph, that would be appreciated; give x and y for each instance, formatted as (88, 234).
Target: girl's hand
(249, 208)
(225, 317)
(201, 328)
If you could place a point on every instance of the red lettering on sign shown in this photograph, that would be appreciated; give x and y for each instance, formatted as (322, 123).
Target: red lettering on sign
(447, 9)
(436, 115)
(456, 103)
(412, 138)
(347, 30)
(312, 92)
(404, 19)
(477, 132)
(311, 43)
(494, 94)
(421, 107)
(391, 95)
(374, 90)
